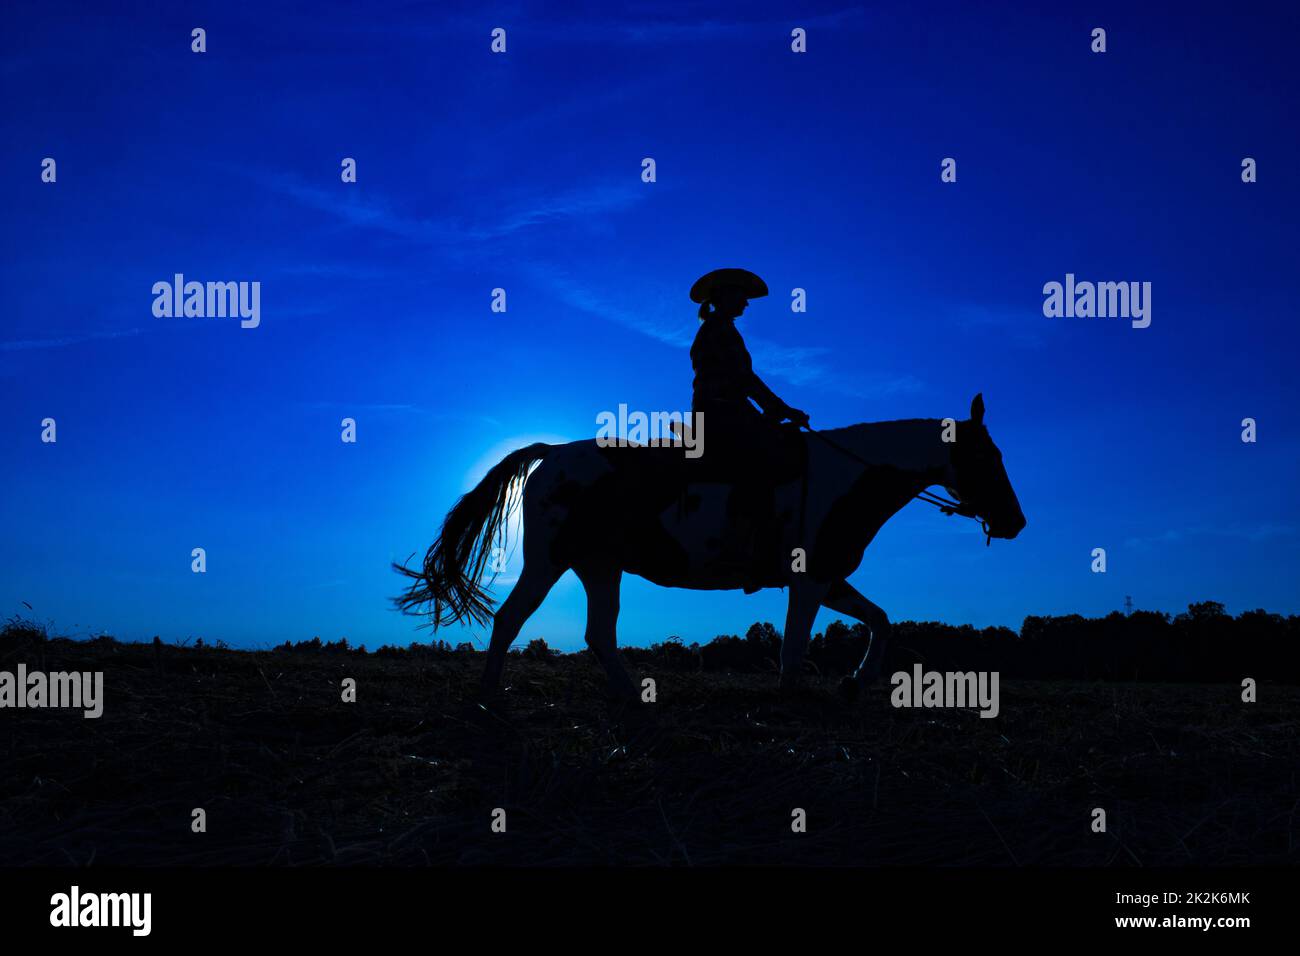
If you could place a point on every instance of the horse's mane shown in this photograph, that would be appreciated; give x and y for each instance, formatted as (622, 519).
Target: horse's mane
(886, 423)
(905, 442)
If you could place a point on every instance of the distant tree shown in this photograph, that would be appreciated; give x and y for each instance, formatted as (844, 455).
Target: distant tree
(1205, 611)
(675, 655)
(537, 650)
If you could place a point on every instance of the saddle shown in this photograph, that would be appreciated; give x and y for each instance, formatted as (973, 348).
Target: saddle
(657, 477)
(666, 471)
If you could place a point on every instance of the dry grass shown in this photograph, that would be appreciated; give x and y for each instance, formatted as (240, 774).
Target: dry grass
(288, 774)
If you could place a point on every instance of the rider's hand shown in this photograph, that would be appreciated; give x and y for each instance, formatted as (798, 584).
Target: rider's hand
(798, 417)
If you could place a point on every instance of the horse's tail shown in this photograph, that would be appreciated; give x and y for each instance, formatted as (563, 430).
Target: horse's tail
(447, 586)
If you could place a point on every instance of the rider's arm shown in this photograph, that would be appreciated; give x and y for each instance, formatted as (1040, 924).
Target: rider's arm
(771, 404)
(764, 396)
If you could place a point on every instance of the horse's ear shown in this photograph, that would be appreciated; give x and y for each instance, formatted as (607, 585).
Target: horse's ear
(977, 409)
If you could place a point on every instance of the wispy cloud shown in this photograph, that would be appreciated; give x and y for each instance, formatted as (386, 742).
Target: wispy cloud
(21, 345)
(805, 365)
(1261, 531)
(678, 22)
(398, 409)
(361, 210)
(797, 365)
(639, 23)
(573, 204)
(1012, 326)
(505, 217)
(652, 318)
(329, 270)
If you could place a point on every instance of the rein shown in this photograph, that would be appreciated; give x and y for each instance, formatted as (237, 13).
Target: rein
(945, 505)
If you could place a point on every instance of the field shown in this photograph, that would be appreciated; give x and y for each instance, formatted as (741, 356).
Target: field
(409, 774)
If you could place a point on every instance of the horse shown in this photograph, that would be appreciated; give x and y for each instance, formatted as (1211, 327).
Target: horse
(602, 512)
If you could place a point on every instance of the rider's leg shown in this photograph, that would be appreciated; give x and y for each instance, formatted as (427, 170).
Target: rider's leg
(738, 529)
(767, 533)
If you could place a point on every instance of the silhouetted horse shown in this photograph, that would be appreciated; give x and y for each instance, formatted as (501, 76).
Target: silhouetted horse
(603, 513)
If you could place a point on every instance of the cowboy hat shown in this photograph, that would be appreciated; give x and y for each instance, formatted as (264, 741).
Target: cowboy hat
(708, 285)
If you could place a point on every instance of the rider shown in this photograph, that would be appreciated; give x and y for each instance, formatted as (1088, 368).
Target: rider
(743, 446)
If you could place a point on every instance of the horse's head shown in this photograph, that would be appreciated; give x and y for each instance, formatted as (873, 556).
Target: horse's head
(977, 479)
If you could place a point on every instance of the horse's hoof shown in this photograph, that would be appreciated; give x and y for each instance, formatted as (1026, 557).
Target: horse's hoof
(850, 689)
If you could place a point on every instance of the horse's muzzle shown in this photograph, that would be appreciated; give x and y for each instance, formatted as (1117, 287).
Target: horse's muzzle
(1007, 529)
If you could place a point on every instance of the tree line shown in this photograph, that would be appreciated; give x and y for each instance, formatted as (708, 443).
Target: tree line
(1202, 644)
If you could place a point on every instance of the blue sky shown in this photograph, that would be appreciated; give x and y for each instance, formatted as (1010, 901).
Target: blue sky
(522, 170)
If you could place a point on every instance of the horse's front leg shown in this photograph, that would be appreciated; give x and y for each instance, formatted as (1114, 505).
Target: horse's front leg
(806, 596)
(845, 599)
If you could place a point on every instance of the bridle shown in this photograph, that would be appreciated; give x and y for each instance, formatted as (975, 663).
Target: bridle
(945, 505)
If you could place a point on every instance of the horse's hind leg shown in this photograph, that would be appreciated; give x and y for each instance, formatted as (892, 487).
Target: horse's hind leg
(535, 582)
(602, 586)
(845, 599)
